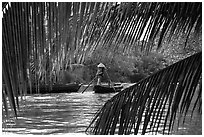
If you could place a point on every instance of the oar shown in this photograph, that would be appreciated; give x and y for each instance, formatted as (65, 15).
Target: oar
(110, 80)
(89, 84)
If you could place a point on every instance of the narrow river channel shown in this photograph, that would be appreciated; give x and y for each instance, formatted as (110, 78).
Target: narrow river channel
(68, 113)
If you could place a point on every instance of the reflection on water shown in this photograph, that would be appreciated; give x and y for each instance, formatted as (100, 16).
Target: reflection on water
(56, 113)
(66, 113)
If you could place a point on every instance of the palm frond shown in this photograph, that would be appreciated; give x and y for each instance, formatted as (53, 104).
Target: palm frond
(42, 39)
(150, 20)
(152, 103)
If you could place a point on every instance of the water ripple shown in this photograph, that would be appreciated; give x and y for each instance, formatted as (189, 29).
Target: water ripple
(64, 113)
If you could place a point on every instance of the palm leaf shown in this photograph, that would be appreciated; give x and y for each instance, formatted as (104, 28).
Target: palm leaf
(9, 90)
(47, 37)
(152, 103)
(4, 101)
(169, 14)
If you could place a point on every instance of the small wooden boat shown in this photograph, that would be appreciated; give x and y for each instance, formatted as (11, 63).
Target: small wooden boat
(72, 87)
(106, 89)
(56, 88)
(100, 88)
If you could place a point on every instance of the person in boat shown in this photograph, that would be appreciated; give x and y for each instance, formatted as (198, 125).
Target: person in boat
(100, 72)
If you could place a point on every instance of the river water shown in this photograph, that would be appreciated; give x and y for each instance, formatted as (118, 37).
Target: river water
(68, 113)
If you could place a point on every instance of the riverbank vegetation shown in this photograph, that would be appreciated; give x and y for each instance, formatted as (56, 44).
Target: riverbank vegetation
(137, 65)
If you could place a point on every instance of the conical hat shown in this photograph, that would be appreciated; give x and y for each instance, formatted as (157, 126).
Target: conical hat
(101, 65)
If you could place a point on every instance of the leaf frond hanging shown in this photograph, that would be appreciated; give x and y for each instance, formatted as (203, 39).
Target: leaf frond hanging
(152, 104)
(41, 39)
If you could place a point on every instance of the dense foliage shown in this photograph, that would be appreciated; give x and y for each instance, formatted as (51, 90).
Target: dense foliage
(138, 65)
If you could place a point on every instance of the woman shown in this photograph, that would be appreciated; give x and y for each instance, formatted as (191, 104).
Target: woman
(100, 72)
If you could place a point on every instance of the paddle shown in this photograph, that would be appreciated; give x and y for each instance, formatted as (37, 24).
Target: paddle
(110, 80)
(89, 84)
